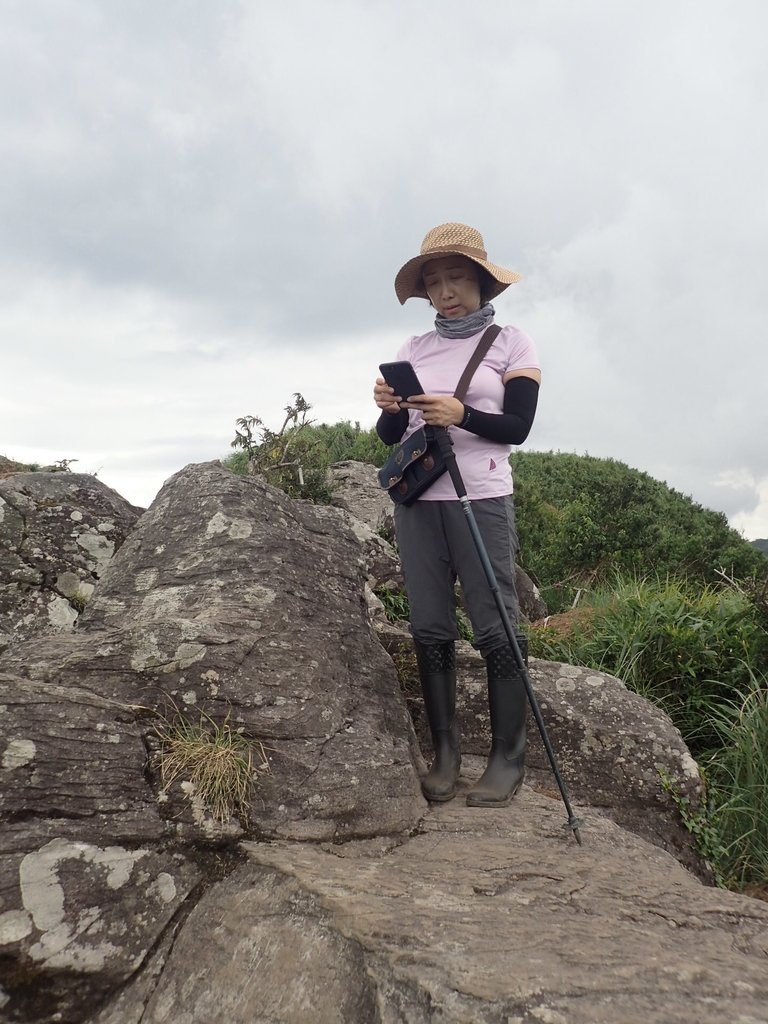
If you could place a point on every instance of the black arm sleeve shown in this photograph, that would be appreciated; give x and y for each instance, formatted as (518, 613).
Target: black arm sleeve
(391, 428)
(521, 395)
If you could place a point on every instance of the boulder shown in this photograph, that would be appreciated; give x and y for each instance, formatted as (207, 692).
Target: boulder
(382, 566)
(58, 532)
(482, 916)
(334, 893)
(532, 606)
(228, 603)
(356, 489)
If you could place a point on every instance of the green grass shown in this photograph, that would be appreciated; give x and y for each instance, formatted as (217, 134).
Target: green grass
(700, 652)
(737, 773)
(220, 763)
(686, 646)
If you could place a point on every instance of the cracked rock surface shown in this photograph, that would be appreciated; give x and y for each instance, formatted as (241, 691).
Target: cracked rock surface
(483, 917)
(58, 532)
(226, 598)
(338, 895)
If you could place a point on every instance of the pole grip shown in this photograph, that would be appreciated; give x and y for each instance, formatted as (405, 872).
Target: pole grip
(445, 444)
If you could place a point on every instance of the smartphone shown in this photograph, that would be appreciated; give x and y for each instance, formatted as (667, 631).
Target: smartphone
(402, 377)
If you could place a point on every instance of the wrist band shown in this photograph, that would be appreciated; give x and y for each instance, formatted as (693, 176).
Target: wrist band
(467, 414)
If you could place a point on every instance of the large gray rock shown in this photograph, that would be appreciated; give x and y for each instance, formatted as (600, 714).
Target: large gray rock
(614, 748)
(88, 882)
(58, 532)
(356, 489)
(244, 602)
(122, 904)
(482, 917)
(228, 599)
(382, 566)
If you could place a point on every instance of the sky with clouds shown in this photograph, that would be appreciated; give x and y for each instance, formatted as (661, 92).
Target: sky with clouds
(203, 207)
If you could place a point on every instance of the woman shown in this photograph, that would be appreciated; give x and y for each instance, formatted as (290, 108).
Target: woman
(453, 272)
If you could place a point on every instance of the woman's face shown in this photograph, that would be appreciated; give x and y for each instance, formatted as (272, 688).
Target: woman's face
(452, 284)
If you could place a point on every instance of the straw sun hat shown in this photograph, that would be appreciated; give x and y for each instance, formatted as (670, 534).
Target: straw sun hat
(447, 240)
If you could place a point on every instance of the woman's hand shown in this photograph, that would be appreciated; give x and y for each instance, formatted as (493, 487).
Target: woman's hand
(385, 398)
(437, 410)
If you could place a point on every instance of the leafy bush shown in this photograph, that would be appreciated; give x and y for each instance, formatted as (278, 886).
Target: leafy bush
(579, 518)
(346, 441)
(297, 457)
(290, 458)
(396, 607)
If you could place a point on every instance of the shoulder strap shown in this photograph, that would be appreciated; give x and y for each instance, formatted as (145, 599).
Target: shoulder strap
(488, 338)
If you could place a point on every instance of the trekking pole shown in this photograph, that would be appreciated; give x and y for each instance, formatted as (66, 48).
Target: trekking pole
(446, 447)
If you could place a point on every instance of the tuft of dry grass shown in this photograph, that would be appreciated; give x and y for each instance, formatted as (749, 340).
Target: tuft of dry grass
(219, 762)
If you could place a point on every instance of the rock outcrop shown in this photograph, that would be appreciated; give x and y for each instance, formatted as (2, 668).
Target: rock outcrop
(58, 532)
(124, 900)
(356, 490)
(493, 917)
(228, 599)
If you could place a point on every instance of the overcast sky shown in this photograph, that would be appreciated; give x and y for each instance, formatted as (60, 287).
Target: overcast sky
(203, 206)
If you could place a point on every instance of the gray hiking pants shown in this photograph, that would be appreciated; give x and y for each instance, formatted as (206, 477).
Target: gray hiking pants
(436, 547)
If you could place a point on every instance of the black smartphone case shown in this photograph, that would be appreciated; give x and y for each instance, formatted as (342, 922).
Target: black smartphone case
(402, 377)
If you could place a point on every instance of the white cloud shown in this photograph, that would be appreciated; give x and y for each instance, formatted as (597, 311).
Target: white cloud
(202, 209)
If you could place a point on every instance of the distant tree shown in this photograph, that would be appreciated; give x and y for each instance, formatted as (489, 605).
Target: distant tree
(579, 517)
(290, 458)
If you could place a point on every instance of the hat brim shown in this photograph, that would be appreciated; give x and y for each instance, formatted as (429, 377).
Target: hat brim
(408, 282)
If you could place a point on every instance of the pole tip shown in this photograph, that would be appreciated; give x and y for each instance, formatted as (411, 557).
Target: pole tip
(574, 824)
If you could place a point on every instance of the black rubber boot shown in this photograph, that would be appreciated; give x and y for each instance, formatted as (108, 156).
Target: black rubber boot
(508, 705)
(437, 671)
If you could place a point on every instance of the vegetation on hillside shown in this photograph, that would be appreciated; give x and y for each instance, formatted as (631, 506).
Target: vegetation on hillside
(581, 518)
(9, 466)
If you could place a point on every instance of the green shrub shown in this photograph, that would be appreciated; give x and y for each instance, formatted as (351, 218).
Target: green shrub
(290, 458)
(346, 441)
(395, 601)
(581, 518)
(297, 457)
